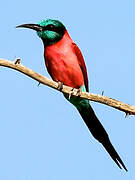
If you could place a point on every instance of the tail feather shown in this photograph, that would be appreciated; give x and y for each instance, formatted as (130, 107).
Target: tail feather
(114, 155)
(100, 134)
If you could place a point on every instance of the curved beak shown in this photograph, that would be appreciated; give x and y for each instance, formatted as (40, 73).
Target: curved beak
(35, 27)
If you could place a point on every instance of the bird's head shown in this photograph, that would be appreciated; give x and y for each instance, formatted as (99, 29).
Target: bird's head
(50, 31)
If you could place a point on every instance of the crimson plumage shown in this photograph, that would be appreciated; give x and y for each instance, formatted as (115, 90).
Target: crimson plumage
(65, 63)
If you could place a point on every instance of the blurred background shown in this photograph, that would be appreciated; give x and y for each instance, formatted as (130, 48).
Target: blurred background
(42, 135)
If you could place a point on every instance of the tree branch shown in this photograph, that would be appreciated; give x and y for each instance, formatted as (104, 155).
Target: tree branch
(128, 109)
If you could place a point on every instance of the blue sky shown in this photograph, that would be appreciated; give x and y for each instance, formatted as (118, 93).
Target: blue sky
(42, 136)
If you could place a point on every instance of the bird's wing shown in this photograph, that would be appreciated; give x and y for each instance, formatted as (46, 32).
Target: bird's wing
(81, 64)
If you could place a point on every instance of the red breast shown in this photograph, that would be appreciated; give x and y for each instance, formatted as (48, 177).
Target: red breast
(62, 63)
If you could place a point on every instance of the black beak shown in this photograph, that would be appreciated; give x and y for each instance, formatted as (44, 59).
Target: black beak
(35, 27)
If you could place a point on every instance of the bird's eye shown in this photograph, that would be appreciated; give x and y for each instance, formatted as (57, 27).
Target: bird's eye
(50, 27)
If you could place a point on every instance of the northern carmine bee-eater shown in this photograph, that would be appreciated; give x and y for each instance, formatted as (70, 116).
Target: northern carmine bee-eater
(65, 64)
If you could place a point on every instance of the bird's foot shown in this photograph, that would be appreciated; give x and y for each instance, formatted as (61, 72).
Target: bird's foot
(79, 91)
(71, 93)
(60, 86)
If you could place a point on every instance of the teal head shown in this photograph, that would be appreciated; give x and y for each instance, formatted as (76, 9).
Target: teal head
(50, 31)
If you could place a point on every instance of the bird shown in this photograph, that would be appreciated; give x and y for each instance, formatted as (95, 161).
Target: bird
(65, 64)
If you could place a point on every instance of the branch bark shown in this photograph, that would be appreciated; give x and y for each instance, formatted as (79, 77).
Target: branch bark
(128, 109)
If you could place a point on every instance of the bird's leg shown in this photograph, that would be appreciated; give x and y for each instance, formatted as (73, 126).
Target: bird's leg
(60, 86)
(71, 93)
(79, 91)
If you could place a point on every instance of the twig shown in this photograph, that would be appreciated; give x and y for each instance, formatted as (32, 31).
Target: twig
(128, 109)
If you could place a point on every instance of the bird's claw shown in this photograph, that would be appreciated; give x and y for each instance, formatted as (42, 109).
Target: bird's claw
(60, 86)
(71, 93)
(79, 91)
(39, 84)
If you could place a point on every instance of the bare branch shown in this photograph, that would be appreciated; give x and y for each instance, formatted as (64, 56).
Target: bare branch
(128, 109)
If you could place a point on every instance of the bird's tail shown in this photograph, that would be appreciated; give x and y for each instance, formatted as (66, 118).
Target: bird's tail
(100, 134)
